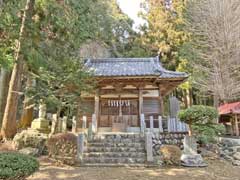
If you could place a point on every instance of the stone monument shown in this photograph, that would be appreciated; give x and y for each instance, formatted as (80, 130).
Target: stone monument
(190, 157)
(41, 124)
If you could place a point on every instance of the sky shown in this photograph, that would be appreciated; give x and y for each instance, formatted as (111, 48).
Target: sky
(131, 8)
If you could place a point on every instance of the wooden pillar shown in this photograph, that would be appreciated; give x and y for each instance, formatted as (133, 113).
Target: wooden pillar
(232, 126)
(161, 101)
(140, 97)
(236, 125)
(151, 124)
(96, 106)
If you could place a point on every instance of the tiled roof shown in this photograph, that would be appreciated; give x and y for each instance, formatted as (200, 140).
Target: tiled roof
(130, 67)
(229, 108)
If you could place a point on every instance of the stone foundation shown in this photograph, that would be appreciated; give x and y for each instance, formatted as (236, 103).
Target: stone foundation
(173, 138)
(230, 150)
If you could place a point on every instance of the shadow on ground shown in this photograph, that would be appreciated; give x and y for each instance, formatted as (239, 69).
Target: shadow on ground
(217, 170)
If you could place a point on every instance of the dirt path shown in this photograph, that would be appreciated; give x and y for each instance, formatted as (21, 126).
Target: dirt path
(217, 170)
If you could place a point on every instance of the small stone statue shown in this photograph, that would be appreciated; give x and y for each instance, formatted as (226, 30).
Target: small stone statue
(42, 109)
(41, 124)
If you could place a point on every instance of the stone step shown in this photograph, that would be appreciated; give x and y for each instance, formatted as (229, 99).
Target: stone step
(118, 165)
(106, 160)
(102, 144)
(115, 154)
(115, 149)
(117, 140)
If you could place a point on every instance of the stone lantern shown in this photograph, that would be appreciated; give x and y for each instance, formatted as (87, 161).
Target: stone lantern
(41, 124)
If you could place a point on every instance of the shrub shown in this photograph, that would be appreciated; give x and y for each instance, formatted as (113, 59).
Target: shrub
(171, 155)
(198, 115)
(63, 147)
(17, 166)
(206, 133)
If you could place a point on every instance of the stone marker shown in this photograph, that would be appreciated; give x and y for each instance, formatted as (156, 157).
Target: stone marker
(54, 124)
(148, 146)
(59, 125)
(90, 133)
(74, 125)
(64, 124)
(80, 145)
(189, 145)
(84, 124)
(190, 157)
(94, 123)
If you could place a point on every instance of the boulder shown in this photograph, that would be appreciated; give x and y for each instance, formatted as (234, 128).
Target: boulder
(236, 163)
(236, 156)
(30, 138)
(208, 154)
(170, 154)
(192, 160)
(29, 151)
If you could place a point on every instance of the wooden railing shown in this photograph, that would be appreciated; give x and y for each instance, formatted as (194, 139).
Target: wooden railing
(162, 124)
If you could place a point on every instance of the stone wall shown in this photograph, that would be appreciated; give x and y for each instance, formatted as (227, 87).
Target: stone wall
(172, 138)
(230, 150)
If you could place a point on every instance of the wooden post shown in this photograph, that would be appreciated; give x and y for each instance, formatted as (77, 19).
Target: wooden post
(160, 126)
(84, 124)
(161, 101)
(151, 124)
(96, 108)
(142, 123)
(236, 125)
(232, 126)
(140, 98)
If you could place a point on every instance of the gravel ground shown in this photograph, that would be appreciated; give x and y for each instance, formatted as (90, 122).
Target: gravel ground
(217, 170)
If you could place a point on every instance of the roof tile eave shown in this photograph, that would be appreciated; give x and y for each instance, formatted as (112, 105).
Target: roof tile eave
(124, 67)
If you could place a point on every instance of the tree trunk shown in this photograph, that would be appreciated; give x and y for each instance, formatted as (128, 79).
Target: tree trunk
(4, 80)
(190, 132)
(9, 125)
(27, 115)
(187, 98)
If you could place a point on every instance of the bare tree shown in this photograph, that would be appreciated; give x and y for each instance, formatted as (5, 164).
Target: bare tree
(215, 26)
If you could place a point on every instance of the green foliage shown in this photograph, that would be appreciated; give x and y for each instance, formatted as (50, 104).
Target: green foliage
(206, 133)
(17, 166)
(52, 41)
(9, 29)
(164, 32)
(201, 120)
(198, 114)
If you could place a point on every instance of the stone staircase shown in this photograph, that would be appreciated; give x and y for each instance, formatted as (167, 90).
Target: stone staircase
(115, 150)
